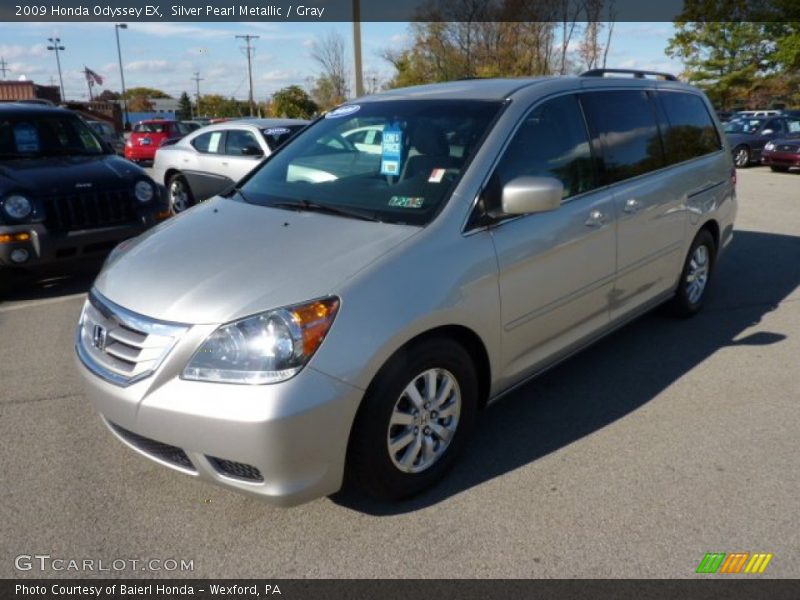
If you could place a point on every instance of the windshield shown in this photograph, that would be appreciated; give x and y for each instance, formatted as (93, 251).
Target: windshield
(743, 125)
(26, 136)
(405, 177)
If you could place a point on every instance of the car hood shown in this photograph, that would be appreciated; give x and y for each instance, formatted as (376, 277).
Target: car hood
(54, 175)
(226, 259)
(735, 138)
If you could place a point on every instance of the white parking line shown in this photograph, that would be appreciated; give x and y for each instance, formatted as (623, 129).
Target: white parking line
(34, 303)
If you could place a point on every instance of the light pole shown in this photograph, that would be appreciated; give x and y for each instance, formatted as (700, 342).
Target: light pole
(117, 27)
(248, 49)
(56, 47)
(357, 47)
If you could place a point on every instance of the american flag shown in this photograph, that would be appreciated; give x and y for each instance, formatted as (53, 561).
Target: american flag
(92, 77)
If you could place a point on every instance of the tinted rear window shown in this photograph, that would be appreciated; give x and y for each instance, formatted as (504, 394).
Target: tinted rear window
(624, 132)
(689, 131)
(149, 127)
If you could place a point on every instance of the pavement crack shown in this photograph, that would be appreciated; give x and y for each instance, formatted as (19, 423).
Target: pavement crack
(33, 400)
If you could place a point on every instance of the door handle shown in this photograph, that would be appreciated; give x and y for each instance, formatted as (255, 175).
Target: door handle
(596, 219)
(632, 205)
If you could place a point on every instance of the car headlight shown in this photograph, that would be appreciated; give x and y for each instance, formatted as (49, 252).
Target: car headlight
(769, 146)
(17, 207)
(144, 191)
(266, 348)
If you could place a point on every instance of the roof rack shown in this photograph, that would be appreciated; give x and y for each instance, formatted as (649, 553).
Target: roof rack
(638, 74)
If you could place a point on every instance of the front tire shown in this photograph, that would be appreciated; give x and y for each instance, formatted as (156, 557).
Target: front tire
(414, 420)
(741, 157)
(695, 276)
(179, 194)
(779, 169)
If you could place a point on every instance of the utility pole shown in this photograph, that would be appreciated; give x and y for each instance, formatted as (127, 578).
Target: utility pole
(197, 79)
(249, 50)
(56, 47)
(3, 67)
(357, 47)
(117, 26)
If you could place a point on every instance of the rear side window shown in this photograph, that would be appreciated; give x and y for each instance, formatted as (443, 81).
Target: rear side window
(208, 143)
(689, 131)
(624, 132)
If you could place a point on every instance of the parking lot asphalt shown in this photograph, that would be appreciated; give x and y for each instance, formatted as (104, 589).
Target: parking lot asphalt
(666, 440)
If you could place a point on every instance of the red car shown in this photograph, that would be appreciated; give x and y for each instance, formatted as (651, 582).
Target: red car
(782, 154)
(147, 136)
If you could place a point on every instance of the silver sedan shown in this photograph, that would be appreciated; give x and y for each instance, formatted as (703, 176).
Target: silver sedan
(208, 160)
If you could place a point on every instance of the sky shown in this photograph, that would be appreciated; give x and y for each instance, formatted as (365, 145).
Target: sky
(165, 55)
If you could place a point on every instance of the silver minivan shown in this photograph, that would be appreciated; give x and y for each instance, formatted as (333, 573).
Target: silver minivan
(346, 314)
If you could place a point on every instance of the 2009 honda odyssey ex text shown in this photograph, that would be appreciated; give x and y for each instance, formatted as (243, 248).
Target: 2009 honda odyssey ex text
(345, 314)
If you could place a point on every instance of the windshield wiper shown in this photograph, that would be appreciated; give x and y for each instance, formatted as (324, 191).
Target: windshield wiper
(330, 209)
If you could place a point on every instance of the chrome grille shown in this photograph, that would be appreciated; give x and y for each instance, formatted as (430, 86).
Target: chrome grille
(121, 346)
(89, 210)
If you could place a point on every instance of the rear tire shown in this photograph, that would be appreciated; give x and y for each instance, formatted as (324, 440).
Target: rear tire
(179, 194)
(414, 420)
(779, 169)
(695, 276)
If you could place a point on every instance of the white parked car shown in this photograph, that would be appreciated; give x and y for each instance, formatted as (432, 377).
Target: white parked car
(212, 158)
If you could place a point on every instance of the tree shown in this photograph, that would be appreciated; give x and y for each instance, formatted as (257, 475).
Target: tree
(292, 102)
(185, 107)
(140, 104)
(215, 105)
(146, 92)
(108, 96)
(328, 52)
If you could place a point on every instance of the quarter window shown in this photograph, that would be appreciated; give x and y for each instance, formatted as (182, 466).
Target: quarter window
(689, 131)
(551, 142)
(624, 131)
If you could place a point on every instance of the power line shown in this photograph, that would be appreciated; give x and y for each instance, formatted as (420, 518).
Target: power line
(249, 49)
(197, 79)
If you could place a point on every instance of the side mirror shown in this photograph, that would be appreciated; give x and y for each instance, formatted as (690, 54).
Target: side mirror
(526, 195)
(252, 151)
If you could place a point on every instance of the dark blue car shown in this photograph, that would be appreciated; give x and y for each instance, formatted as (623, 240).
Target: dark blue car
(748, 136)
(64, 193)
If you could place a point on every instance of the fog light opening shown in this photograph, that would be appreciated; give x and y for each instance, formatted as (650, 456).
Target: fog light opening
(19, 255)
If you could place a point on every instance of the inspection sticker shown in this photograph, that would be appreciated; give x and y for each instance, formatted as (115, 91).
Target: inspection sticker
(436, 176)
(391, 149)
(407, 201)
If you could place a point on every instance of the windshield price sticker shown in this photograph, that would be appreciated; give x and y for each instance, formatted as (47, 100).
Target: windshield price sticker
(26, 138)
(391, 148)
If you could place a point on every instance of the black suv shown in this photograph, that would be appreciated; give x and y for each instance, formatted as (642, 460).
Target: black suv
(63, 192)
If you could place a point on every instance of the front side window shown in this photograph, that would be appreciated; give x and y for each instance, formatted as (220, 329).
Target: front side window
(552, 141)
(46, 136)
(689, 131)
(425, 147)
(237, 140)
(624, 130)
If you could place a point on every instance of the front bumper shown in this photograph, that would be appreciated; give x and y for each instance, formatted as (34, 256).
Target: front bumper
(780, 159)
(46, 248)
(285, 443)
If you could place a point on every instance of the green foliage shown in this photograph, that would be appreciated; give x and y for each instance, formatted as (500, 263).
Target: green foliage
(214, 105)
(294, 103)
(731, 48)
(146, 92)
(184, 107)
